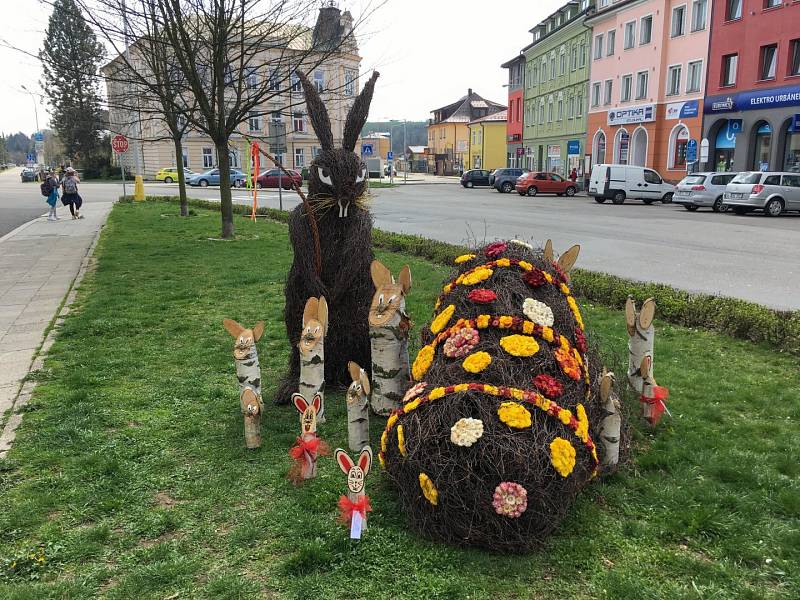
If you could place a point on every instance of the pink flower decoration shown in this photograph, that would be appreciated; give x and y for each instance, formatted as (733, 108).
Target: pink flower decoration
(461, 342)
(414, 391)
(510, 499)
(495, 249)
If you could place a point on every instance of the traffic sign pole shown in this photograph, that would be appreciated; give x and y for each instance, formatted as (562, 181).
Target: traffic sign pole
(120, 146)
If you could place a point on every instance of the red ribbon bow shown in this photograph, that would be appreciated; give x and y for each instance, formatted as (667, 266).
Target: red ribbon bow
(347, 507)
(656, 402)
(302, 446)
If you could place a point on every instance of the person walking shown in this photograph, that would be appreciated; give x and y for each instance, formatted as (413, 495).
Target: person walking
(49, 188)
(71, 197)
(574, 175)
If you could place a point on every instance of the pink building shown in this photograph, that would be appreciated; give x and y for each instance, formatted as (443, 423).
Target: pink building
(648, 74)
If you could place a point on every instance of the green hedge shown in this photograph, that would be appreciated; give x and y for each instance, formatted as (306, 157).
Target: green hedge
(737, 318)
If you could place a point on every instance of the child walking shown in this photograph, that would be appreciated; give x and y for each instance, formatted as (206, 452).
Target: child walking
(71, 197)
(49, 188)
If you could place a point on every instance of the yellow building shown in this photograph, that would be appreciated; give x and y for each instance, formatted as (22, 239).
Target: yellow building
(487, 141)
(449, 133)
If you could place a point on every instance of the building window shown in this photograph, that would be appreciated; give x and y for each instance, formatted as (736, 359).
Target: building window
(598, 46)
(763, 141)
(319, 80)
(349, 82)
(645, 30)
(534, 75)
(678, 20)
(794, 57)
(627, 88)
(733, 10)
(185, 157)
(699, 14)
(609, 88)
(254, 121)
(791, 161)
(550, 110)
(621, 147)
(560, 109)
(729, 63)
(630, 35)
(641, 84)
(599, 148)
(563, 62)
(674, 80)
(552, 66)
(296, 85)
(541, 112)
(276, 116)
(596, 94)
(693, 79)
(772, 3)
(299, 158)
(769, 62)
(298, 122)
(579, 106)
(570, 107)
(208, 158)
(251, 77)
(582, 54)
(611, 38)
(544, 70)
(574, 57)
(274, 81)
(679, 138)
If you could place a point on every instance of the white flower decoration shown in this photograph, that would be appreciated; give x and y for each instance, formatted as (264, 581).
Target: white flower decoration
(466, 432)
(538, 312)
(521, 243)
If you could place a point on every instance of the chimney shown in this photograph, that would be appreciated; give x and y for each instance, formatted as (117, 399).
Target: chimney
(469, 92)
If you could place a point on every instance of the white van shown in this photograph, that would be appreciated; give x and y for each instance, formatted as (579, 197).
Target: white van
(621, 182)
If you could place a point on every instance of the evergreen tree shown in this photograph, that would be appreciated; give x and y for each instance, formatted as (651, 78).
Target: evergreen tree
(71, 57)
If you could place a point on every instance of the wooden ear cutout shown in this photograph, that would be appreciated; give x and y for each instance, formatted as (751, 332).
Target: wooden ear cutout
(317, 403)
(258, 330)
(354, 370)
(380, 274)
(343, 460)
(548, 250)
(630, 315)
(567, 260)
(606, 382)
(405, 279)
(299, 402)
(311, 310)
(645, 366)
(647, 314)
(248, 398)
(232, 327)
(362, 376)
(365, 460)
(322, 314)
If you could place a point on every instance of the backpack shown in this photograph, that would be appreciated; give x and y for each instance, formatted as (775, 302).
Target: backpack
(46, 187)
(70, 186)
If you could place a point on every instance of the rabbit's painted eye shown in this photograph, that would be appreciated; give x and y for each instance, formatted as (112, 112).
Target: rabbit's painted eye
(392, 298)
(324, 176)
(362, 176)
(316, 330)
(380, 299)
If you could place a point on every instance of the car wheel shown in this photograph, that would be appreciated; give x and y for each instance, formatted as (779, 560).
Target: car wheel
(774, 207)
(507, 187)
(469, 184)
(599, 200)
(690, 207)
(667, 199)
(618, 198)
(532, 191)
(167, 179)
(258, 185)
(571, 191)
(203, 183)
(718, 205)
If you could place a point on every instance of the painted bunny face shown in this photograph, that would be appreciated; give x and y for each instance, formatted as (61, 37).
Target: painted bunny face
(355, 479)
(315, 324)
(245, 338)
(360, 386)
(308, 412)
(338, 174)
(356, 471)
(388, 293)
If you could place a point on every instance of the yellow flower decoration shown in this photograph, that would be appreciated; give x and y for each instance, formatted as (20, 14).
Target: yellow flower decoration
(448, 288)
(548, 277)
(562, 455)
(422, 363)
(525, 265)
(514, 415)
(443, 318)
(564, 416)
(478, 275)
(464, 258)
(583, 423)
(547, 334)
(477, 362)
(503, 262)
(527, 328)
(575, 311)
(381, 460)
(519, 345)
(401, 440)
(505, 321)
(461, 387)
(563, 287)
(428, 489)
(482, 321)
(391, 421)
(436, 393)
(491, 390)
(384, 438)
(407, 408)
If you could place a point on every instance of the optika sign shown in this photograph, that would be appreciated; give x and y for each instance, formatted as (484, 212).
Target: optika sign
(635, 114)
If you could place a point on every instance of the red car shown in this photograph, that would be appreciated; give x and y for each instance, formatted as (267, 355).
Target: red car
(269, 179)
(540, 182)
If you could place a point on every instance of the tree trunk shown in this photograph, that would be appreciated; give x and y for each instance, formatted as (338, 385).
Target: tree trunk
(357, 420)
(181, 175)
(312, 376)
(390, 365)
(225, 198)
(611, 425)
(248, 373)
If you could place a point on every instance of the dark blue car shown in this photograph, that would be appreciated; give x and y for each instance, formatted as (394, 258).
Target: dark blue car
(211, 177)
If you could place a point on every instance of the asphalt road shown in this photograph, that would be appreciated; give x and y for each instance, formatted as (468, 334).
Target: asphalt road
(750, 257)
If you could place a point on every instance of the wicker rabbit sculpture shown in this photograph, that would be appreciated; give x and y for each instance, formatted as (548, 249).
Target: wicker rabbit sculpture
(331, 237)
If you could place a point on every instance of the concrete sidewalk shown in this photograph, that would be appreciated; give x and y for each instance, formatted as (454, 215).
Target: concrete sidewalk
(39, 263)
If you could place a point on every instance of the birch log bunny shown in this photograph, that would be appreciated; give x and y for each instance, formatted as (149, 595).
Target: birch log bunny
(641, 337)
(357, 408)
(312, 351)
(308, 446)
(611, 425)
(248, 373)
(356, 502)
(388, 334)
(337, 201)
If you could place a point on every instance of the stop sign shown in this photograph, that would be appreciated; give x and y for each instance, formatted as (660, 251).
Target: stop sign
(119, 144)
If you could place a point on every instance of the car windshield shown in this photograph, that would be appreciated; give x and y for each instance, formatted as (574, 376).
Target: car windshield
(747, 178)
(693, 180)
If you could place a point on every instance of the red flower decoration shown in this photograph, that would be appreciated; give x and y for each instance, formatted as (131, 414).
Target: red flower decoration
(548, 386)
(482, 296)
(534, 278)
(495, 249)
(580, 341)
(560, 275)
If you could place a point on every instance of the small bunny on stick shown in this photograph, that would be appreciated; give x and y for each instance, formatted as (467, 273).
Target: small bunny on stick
(353, 507)
(357, 408)
(248, 373)
(312, 351)
(308, 446)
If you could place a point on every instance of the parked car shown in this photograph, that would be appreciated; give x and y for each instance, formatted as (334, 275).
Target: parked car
(170, 174)
(703, 189)
(269, 179)
(475, 177)
(541, 182)
(504, 180)
(27, 174)
(621, 182)
(211, 177)
(773, 193)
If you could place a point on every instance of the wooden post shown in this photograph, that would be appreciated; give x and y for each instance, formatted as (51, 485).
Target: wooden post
(357, 408)
(312, 351)
(641, 335)
(388, 332)
(248, 373)
(611, 425)
(307, 449)
(356, 476)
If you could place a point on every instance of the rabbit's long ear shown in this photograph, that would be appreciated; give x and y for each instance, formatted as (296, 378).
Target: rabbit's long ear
(317, 112)
(365, 459)
(343, 460)
(380, 274)
(322, 314)
(232, 327)
(354, 370)
(299, 402)
(258, 330)
(358, 114)
(310, 311)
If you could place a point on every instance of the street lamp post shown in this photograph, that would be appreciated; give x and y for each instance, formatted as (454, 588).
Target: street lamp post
(36, 116)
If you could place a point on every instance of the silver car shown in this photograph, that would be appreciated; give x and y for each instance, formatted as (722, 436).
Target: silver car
(703, 189)
(773, 193)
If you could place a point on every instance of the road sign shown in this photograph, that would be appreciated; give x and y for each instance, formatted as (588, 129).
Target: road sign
(38, 136)
(691, 151)
(31, 158)
(704, 150)
(390, 155)
(119, 144)
(366, 149)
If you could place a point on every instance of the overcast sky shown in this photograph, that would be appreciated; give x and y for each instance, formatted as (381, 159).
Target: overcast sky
(427, 51)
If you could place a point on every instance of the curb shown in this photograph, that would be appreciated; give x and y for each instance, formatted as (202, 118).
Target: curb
(19, 229)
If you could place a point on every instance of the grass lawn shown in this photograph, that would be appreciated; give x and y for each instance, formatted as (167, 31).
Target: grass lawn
(130, 479)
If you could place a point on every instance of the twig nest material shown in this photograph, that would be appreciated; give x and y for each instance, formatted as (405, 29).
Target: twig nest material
(466, 431)
(538, 312)
(475, 363)
(510, 499)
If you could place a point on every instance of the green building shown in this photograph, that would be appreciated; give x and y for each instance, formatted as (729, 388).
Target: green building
(556, 90)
